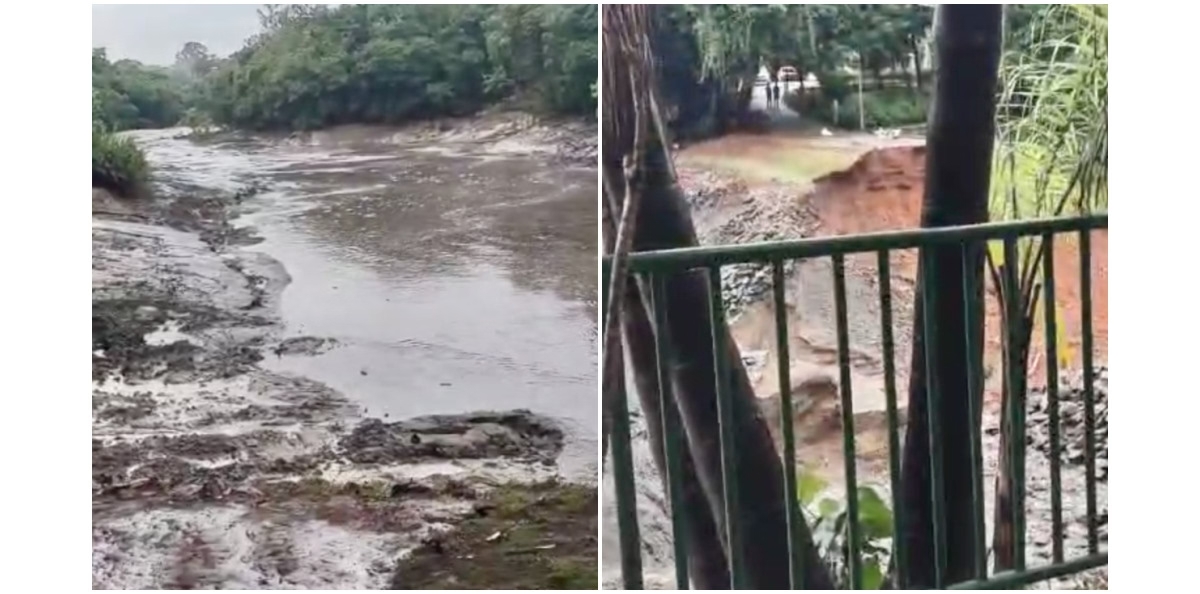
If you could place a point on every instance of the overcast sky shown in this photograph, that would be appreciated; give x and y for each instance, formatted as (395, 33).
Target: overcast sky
(153, 33)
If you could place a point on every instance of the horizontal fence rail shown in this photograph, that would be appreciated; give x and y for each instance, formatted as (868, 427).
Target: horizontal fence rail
(969, 245)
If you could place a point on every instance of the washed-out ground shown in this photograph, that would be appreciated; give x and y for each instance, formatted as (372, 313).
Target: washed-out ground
(798, 183)
(353, 359)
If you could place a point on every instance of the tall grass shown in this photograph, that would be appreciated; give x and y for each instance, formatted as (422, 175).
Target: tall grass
(1052, 117)
(1051, 159)
(118, 165)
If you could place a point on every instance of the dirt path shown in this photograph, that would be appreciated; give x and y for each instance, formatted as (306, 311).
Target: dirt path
(221, 458)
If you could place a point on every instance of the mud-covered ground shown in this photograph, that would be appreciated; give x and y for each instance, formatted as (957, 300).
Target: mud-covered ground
(218, 462)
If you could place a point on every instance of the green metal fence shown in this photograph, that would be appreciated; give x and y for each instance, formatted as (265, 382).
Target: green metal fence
(655, 267)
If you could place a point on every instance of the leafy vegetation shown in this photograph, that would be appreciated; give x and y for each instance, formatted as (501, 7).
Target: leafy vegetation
(828, 517)
(721, 47)
(315, 66)
(1051, 159)
(127, 94)
(889, 108)
(889, 43)
(118, 165)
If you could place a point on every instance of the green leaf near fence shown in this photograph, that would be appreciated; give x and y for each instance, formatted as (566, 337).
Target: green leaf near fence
(872, 575)
(1064, 352)
(808, 486)
(874, 515)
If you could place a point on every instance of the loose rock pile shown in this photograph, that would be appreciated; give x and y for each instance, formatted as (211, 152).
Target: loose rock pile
(744, 284)
(1073, 477)
(1071, 420)
(756, 219)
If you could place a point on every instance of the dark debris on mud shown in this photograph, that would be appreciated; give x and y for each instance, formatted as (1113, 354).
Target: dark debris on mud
(119, 346)
(304, 345)
(516, 434)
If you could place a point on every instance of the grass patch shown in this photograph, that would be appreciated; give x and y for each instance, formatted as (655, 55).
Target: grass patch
(887, 108)
(118, 165)
(791, 164)
(548, 541)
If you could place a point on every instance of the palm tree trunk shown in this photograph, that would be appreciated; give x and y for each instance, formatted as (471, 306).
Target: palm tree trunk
(958, 172)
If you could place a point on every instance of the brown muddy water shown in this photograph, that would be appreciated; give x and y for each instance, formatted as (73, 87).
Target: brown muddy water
(451, 277)
(313, 360)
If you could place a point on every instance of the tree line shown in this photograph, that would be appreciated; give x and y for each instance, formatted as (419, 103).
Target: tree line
(312, 66)
(717, 50)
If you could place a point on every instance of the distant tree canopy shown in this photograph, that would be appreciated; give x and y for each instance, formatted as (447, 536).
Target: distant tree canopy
(194, 60)
(315, 66)
(711, 53)
(128, 94)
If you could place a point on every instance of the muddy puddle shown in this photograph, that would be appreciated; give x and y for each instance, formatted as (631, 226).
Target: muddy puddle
(312, 358)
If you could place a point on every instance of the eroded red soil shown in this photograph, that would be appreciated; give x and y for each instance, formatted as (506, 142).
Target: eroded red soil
(883, 190)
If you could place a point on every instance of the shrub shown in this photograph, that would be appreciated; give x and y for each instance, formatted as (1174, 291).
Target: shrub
(837, 86)
(118, 165)
(884, 109)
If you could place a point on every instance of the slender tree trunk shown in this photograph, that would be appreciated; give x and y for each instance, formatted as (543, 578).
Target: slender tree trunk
(664, 222)
(761, 513)
(1015, 356)
(958, 171)
(917, 63)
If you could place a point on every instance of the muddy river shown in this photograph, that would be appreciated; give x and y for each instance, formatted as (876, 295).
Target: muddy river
(451, 277)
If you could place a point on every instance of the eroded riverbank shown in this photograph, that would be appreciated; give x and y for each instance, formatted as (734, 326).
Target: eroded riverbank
(292, 345)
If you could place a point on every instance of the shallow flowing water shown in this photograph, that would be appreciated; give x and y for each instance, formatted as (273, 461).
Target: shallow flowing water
(453, 276)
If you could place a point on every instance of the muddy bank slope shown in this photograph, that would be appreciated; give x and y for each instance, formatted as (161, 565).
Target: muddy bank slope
(213, 469)
(567, 140)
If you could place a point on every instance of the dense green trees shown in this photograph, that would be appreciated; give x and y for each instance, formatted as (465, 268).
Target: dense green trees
(889, 43)
(315, 65)
(319, 66)
(723, 46)
(128, 94)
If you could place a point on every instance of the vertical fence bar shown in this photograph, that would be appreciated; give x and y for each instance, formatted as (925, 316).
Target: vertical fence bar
(928, 281)
(853, 533)
(783, 363)
(1016, 402)
(671, 431)
(627, 524)
(972, 322)
(893, 415)
(622, 452)
(605, 414)
(1089, 396)
(604, 282)
(1050, 322)
(727, 421)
